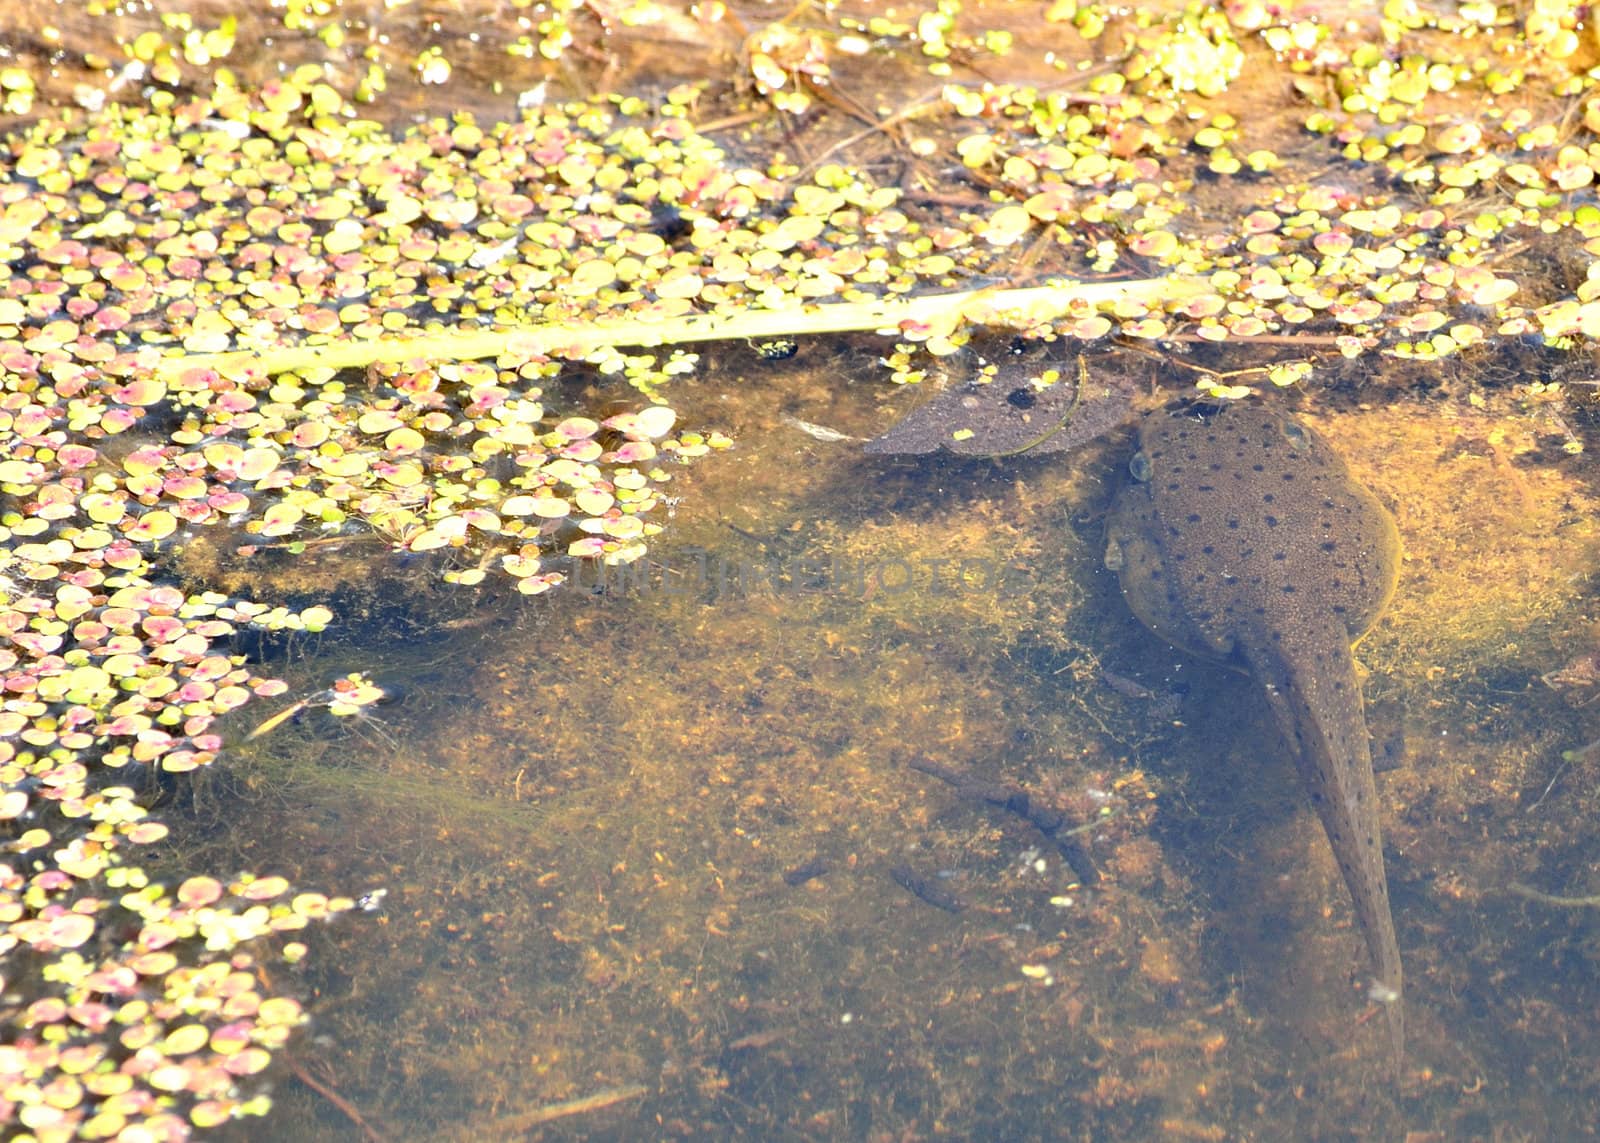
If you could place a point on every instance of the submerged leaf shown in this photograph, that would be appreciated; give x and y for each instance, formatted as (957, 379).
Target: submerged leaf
(1017, 407)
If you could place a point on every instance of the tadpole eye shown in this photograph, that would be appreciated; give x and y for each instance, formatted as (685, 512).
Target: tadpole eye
(1295, 434)
(1139, 467)
(1022, 398)
(777, 348)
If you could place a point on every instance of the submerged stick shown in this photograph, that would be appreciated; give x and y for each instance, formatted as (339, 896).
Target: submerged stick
(513, 1125)
(368, 1132)
(927, 889)
(1055, 826)
(930, 315)
(1544, 898)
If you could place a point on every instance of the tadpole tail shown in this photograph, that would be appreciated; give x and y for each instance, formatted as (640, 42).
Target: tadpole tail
(1318, 708)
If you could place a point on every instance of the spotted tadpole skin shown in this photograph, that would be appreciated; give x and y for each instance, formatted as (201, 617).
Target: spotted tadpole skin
(1239, 535)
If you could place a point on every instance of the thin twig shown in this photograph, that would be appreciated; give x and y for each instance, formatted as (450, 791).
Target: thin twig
(368, 1132)
(1551, 899)
(738, 120)
(513, 1125)
(1013, 799)
(1263, 338)
(1554, 778)
(919, 104)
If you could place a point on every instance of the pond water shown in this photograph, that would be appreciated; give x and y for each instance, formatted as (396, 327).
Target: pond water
(661, 843)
